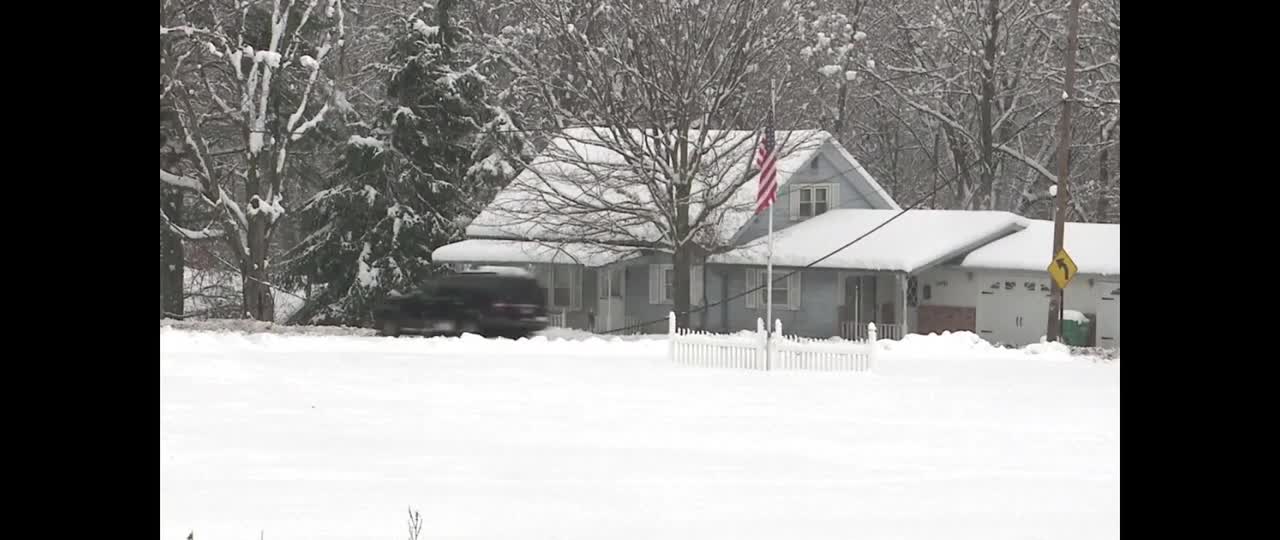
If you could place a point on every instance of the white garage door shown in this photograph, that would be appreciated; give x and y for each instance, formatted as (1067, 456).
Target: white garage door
(1013, 310)
(1109, 315)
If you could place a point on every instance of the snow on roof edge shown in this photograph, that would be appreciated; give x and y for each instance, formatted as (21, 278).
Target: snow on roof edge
(516, 251)
(796, 245)
(1095, 248)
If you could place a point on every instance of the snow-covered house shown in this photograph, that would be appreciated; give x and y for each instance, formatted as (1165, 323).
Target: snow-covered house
(609, 276)
(917, 273)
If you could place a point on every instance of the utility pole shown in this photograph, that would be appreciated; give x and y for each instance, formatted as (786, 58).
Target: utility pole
(1054, 330)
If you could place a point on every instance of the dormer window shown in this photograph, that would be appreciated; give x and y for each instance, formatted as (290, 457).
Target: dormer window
(809, 200)
(814, 201)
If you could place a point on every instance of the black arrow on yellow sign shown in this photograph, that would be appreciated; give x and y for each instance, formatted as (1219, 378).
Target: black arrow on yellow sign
(1062, 269)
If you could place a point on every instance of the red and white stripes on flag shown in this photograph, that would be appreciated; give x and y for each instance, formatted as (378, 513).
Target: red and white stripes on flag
(767, 161)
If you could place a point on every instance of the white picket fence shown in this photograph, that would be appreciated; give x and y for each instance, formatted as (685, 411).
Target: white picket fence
(762, 351)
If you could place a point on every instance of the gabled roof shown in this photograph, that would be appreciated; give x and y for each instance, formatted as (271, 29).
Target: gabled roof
(915, 241)
(876, 188)
(581, 169)
(1095, 248)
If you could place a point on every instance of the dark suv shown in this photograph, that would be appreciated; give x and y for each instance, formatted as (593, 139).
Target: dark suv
(485, 303)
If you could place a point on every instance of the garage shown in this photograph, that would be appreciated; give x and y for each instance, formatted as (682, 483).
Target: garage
(1013, 282)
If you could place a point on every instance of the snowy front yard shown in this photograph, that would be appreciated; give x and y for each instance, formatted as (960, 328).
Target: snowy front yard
(318, 437)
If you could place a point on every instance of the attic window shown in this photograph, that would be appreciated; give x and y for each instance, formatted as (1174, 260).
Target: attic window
(814, 164)
(813, 201)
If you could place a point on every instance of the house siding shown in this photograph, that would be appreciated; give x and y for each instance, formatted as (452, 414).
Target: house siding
(638, 308)
(818, 303)
(948, 287)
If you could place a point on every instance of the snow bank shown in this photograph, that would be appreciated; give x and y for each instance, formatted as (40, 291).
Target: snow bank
(943, 346)
(949, 346)
(968, 346)
(249, 326)
(574, 334)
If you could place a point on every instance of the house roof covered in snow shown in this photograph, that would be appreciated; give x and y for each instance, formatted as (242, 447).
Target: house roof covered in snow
(525, 252)
(916, 240)
(1095, 248)
(584, 187)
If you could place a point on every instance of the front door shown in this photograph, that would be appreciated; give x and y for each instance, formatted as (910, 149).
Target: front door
(859, 298)
(610, 309)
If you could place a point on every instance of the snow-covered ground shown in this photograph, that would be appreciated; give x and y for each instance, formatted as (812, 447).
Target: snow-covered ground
(337, 436)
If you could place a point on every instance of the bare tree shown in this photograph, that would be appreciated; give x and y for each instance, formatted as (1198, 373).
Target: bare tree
(248, 80)
(666, 88)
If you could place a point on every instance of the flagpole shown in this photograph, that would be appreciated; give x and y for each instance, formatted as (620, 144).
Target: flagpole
(769, 264)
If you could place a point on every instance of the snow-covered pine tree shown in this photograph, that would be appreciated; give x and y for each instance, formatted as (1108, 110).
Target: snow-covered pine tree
(433, 157)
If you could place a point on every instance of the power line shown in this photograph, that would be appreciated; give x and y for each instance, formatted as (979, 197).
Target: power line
(788, 274)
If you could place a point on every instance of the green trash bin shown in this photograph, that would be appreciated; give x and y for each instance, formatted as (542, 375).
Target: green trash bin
(1075, 328)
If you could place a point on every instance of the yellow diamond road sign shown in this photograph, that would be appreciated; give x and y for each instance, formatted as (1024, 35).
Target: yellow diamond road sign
(1062, 269)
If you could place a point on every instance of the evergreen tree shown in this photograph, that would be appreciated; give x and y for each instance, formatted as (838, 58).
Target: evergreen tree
(435, 154)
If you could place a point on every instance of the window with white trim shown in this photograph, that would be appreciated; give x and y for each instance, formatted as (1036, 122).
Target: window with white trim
(563, 284)
(786, 292)
(562, 287)
(669, 284)
(812, 200)
(662, 284)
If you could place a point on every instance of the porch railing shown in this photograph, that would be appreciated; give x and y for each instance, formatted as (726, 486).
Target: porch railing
(857, 330)
(556, 319)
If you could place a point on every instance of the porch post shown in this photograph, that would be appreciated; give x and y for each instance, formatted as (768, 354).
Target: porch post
(608, 294)
(902, 317)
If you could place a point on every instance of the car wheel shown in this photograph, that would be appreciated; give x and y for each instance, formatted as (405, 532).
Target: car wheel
(390, 328)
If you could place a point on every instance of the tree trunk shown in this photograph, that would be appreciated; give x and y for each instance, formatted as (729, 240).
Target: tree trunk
(838, 126)
(172, 257)
(1104, 171)
(682, 256)
(986, 190)
(964, 181)
(258, 302)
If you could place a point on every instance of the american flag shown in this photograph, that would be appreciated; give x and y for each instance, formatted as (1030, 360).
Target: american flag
(767, 160)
